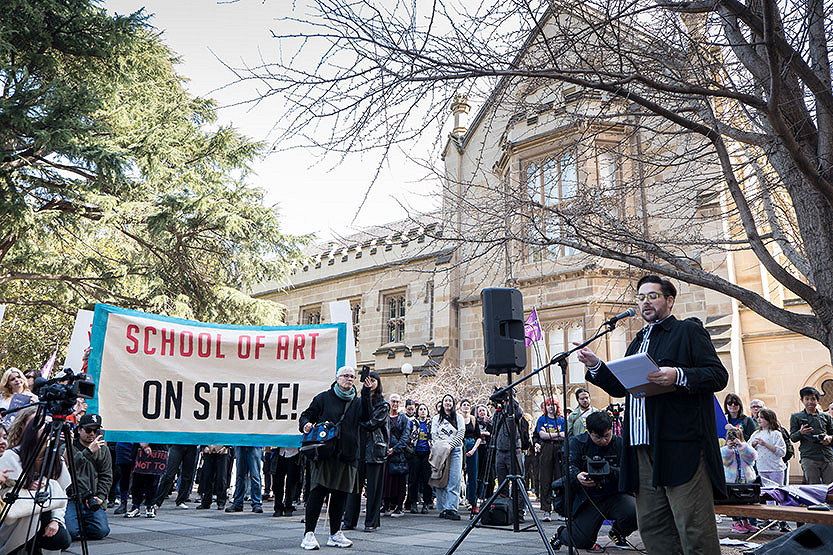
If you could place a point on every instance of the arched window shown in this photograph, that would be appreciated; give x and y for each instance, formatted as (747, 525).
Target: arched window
(826, 394)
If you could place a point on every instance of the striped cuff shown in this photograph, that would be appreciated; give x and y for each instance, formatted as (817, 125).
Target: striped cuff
(594, 369)
(681, 379)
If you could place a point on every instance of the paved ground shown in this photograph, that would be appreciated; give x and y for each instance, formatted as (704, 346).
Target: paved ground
(211, 531)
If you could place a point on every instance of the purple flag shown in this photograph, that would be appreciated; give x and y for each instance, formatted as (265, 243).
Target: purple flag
(50, 364)
(532, 328)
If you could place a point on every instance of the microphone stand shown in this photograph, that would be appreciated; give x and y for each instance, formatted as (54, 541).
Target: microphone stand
(561, 360)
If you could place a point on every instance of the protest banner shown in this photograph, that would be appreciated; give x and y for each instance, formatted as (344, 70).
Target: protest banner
(79, 340)
(169, 380)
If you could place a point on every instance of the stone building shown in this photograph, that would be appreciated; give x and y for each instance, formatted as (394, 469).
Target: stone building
(414, 286)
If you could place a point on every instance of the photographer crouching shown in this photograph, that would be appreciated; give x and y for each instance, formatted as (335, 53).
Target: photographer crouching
(94, 471)
(594, 469)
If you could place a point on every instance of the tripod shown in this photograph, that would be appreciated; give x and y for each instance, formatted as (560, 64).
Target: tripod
(51, 439)
(514, 477)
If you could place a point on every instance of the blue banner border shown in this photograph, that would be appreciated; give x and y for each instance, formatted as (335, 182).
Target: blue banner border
(99, 328)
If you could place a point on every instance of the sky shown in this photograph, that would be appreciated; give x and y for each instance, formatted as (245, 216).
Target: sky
(313, 196)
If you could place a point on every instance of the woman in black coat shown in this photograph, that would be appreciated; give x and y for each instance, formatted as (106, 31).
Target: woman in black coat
(336, 476)
(374, 436)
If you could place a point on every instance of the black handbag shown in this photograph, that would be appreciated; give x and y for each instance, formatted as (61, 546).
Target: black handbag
(321, 442)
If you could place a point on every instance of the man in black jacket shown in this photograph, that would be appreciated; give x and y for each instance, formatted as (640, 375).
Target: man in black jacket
(94, 470)
(672, 458)
(597, 498)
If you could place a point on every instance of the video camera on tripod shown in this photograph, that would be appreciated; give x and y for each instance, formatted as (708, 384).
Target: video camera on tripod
(60, 393)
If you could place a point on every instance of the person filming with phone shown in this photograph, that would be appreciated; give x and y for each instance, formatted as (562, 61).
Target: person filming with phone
(813, 431)
(94, 470)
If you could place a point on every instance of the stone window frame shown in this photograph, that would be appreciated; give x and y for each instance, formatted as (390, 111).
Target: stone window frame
(310, 315)
(397, 319)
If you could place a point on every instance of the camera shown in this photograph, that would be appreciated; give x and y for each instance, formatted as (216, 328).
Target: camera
(88, 500)
(61, 392)
(597, 467)
(817, 438)
(615, 409)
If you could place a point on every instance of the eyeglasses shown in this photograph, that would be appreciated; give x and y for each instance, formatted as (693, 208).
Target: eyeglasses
(652, 296)
(348, 376)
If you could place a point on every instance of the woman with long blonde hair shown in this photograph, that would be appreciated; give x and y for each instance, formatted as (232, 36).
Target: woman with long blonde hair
(13, 382)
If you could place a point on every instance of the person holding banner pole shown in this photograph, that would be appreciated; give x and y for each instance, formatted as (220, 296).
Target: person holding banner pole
(336, 476)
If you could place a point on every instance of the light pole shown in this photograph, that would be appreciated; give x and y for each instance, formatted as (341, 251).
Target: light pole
(407, 369)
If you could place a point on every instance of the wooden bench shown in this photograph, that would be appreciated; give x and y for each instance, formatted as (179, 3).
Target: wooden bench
(776, 512)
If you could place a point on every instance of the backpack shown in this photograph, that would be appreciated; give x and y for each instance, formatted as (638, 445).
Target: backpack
(497, 514)
(789, 446)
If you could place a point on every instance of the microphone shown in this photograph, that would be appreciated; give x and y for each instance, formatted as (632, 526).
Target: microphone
(627, 314)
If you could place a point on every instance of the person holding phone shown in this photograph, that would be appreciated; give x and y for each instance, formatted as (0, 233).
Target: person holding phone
(94, 470)
(813, 431)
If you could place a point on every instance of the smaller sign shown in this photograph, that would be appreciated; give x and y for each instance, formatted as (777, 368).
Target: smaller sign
(79, 340)
(154, 463)
(18, 400)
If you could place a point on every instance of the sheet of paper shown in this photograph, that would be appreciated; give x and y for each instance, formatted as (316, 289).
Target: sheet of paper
(631, 371)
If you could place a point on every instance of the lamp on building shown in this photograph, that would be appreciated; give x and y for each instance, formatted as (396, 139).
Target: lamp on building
(407, 369)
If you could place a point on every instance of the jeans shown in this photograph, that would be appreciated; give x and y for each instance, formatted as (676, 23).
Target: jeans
(94, 522)
(248, 463)
(186, 457)
(449, 497)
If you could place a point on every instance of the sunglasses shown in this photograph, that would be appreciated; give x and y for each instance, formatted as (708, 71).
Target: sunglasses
(732, 403)
(91, 430)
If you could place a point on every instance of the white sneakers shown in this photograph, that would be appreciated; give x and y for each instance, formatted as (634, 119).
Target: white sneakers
(309, 542)
(338, 540)
(183, 506)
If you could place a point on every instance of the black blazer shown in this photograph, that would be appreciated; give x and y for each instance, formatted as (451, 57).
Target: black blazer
(681, 423)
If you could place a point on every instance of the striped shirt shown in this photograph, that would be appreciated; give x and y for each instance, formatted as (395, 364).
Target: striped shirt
(638, 424)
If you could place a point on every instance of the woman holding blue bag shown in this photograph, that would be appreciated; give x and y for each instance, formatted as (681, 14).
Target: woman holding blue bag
(336, 475)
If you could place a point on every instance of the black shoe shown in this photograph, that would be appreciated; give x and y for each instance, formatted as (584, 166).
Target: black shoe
(111, 504)
(453, 515)
(348, 526)
(277, 514)
(257, 509)
(121, 509)
(555, 541)
(234, 509)
(221, 505)
(424, 510)
(414, 510)
(288, 511)
(369, 528)
(203, 506)
(617, 538)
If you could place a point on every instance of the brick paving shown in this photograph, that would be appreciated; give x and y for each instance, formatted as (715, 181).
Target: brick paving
(211, 531)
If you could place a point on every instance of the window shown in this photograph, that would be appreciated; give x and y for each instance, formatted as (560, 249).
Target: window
(608, 173)
(551, 182)
(311, 316)
(356, 310)
(560, 338)
(395, 313)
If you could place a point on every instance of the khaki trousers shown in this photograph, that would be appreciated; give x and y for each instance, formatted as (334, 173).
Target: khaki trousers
(676, 520)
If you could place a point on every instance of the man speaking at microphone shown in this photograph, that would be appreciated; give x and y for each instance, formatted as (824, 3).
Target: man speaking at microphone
(672, 458)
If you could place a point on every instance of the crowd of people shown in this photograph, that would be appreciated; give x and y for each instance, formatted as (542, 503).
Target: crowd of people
(656, 465)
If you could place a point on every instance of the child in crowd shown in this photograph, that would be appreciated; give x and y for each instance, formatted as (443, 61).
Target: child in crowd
(739, 467)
